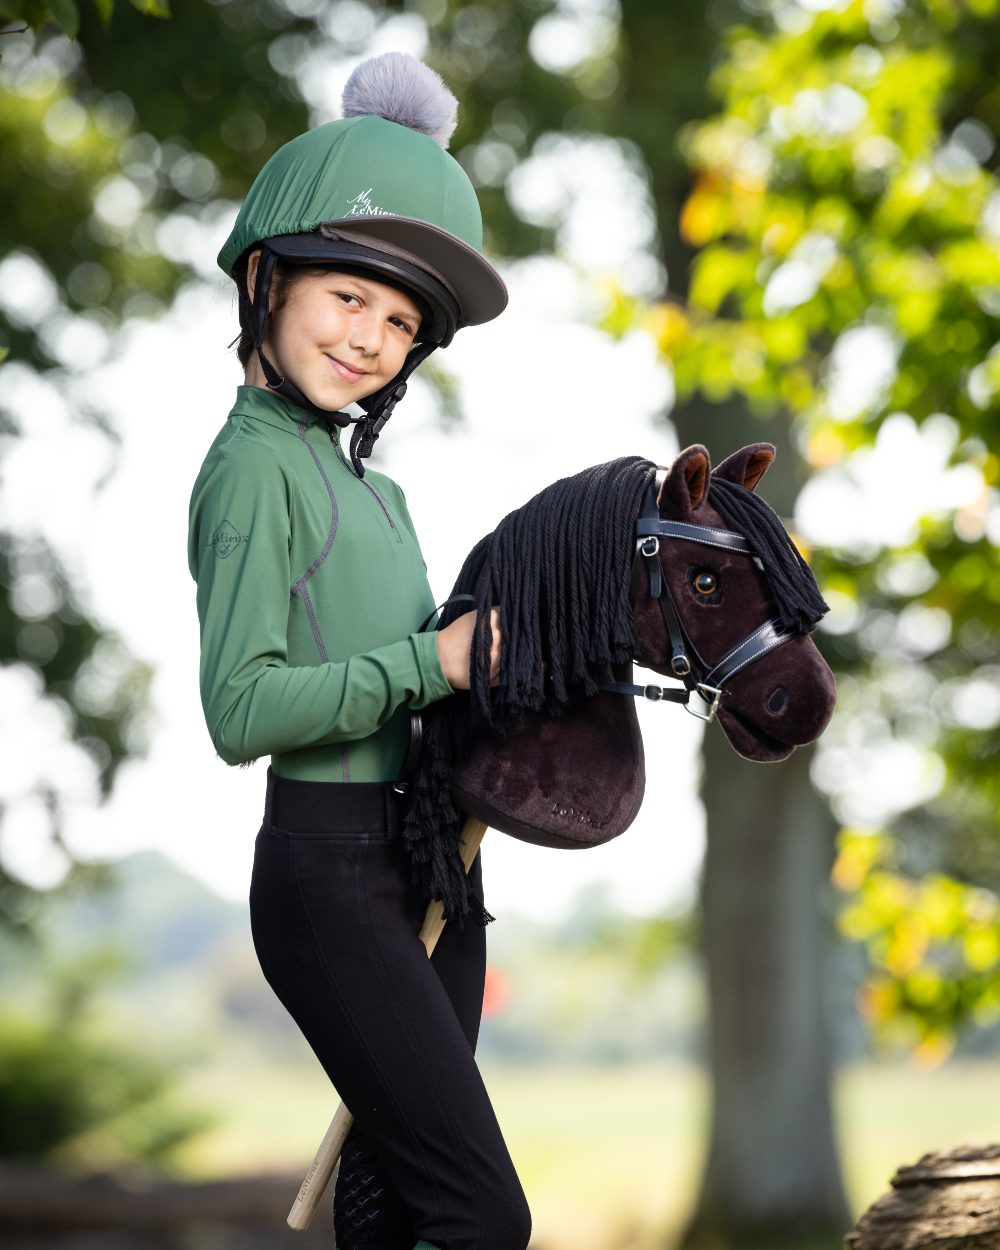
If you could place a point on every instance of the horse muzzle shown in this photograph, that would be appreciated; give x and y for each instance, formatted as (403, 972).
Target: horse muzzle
(768, 710)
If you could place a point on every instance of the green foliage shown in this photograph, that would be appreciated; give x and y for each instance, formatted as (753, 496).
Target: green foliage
(933, 945)
(71, 1091)
(843, 186)
(65, 14)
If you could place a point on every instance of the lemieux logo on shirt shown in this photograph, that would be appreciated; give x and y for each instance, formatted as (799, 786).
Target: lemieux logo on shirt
(226, 539)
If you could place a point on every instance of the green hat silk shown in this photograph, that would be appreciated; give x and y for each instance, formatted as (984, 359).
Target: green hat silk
(357, 167)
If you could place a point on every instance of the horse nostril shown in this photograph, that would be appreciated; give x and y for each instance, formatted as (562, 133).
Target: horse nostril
(777, 700)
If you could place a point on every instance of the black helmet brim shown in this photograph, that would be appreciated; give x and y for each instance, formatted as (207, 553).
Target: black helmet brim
(326, 249)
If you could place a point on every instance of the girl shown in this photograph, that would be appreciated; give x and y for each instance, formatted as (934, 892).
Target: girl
(356, 253)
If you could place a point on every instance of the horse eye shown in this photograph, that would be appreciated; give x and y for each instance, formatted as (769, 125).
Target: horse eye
(705, 583)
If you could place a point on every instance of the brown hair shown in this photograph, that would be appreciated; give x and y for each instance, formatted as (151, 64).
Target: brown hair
(282, 282)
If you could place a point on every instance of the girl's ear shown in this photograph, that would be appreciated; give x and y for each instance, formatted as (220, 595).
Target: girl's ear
(252, 262)
(748, 465)
(686, 484)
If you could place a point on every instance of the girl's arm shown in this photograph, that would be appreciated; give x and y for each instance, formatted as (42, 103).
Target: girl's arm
(256, 704)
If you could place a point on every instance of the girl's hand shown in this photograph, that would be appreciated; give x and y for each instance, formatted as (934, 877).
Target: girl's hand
(454, 645)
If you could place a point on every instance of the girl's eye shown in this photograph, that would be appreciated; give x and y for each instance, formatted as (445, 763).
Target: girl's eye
(346, 296)
(705, 583)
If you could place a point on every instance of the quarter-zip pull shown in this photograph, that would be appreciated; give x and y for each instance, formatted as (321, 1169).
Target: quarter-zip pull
(364, 482)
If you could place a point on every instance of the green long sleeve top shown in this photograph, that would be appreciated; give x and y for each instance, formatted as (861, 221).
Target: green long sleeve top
(311, 587)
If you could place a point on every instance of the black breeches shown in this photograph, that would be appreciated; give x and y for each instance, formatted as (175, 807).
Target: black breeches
(335, 921)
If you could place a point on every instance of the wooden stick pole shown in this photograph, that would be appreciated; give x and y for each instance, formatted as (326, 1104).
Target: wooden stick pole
(322, 1166)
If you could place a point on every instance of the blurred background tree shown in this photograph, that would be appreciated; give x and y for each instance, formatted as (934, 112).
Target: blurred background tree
(847, 211)
(844, 212)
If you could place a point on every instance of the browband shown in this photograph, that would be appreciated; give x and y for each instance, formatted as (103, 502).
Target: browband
(650, 526)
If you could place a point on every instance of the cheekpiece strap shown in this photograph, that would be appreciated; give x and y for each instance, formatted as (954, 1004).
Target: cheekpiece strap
(685, 661)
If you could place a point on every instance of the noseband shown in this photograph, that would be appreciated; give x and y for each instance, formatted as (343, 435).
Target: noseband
(706, 681)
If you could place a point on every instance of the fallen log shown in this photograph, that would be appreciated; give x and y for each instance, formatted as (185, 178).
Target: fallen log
(51, 1208)
(947, 1200)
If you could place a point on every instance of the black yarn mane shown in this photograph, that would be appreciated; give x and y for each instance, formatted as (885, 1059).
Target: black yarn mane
(799, 602)
(559, 569)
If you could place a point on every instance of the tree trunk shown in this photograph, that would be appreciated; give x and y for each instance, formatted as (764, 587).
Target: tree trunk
(772, 1175)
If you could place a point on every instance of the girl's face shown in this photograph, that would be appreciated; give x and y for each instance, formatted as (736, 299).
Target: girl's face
(337, 336)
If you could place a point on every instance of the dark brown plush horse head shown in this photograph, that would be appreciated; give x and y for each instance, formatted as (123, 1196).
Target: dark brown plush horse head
(783, 697)
(684, 570)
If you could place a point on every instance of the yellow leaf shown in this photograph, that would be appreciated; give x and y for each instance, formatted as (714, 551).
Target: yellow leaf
(825, 448)
(703, 215)
(981, 949)
(907, 947)
(668, 324)
(933, 1050)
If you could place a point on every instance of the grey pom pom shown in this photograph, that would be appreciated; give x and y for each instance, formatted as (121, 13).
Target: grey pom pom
(402, 89)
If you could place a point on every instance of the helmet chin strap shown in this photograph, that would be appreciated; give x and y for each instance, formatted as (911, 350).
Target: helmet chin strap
(378, 406)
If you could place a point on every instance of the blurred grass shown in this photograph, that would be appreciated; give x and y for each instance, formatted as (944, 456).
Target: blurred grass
(609, 1157)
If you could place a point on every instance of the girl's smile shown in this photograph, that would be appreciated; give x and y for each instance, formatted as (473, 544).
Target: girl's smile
(348, 373)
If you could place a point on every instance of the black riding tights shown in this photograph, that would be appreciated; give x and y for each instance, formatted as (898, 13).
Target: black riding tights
(335, 921)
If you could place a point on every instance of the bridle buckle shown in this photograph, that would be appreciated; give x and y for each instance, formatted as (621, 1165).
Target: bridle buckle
(711, 696)
(649, 547)
(653, 693)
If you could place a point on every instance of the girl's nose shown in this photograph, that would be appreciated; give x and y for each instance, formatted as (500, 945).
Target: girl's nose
(366, 335)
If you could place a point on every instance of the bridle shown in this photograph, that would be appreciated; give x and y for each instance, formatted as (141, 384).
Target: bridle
(698, 677)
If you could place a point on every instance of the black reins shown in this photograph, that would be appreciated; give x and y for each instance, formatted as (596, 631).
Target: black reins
(698, 677)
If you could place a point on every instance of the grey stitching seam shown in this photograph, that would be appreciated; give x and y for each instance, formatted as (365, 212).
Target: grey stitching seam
(299, 586)
(381, 502)
(708, 542)
(771, 646)
(742, 646)
(701, 534)
(705, 542)
(300, 589)
(345, 763)
(333, 502)
(745, 643)
(384, 506)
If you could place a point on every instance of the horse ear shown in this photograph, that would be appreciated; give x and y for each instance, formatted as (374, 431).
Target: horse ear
(686, 483)
(748, 465)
